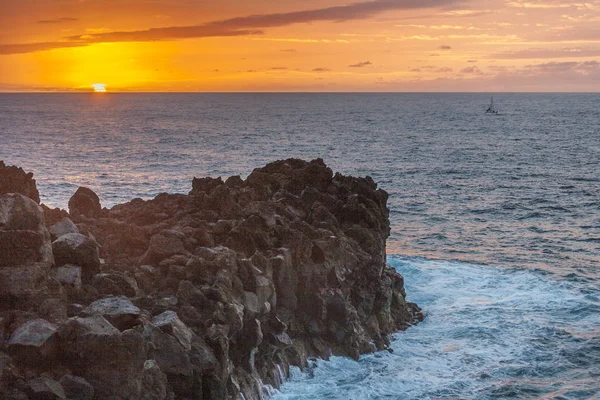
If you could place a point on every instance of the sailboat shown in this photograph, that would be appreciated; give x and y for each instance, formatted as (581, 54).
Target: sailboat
(491, 109)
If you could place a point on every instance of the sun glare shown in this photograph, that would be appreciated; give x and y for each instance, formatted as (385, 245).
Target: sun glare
(99, 87)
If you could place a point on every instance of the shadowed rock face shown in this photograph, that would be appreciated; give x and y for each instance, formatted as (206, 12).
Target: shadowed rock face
(15, 180)
(209, 294)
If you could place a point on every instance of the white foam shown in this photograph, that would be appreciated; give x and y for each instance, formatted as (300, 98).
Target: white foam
(488, 333)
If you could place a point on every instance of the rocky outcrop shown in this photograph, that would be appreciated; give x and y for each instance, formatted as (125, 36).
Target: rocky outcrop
(210, 295)
(15, 180)
(85, 203)
(25, 247)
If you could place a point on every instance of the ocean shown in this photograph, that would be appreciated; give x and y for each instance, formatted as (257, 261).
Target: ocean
(495, 218)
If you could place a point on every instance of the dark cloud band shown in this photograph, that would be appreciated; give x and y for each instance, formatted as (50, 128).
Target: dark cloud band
(242, 26)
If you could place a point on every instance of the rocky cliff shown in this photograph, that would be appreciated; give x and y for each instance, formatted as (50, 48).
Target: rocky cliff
(210, 295)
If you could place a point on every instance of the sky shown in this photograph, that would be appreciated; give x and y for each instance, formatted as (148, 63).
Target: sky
(309, 45)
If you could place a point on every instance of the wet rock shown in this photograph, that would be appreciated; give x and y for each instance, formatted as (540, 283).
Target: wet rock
(119, 311)
(85, 202)
(62, 227)
(77, 388)
(44, 389)
(15, 180)
(80, 250)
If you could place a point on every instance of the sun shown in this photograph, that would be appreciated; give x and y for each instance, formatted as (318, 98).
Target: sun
(99, 87)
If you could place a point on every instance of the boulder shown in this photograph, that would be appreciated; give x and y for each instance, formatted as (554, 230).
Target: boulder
(118, 357)
(15, 180)
(77, 249)
(115, 284)
(85, 202)
(162, 247)
(77, 388)
(54, 310)
(23, 235)
(33, 340)
(119, 311)
(62, 227)
(168, 352)
(68, 275)
(43, 388)
(155, 385)
(169, 323)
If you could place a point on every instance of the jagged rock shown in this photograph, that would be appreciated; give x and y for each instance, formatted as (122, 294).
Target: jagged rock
(77, 388)
(53, 215)
(115, 284)
(118, 357)
(236, 280)
(85, 202)
(15, 180)
(77, 249)
(155, 385)
(160, 248)
(68, 275)
(119, 311)
(33, 340)
(62, 227)
(23, 235)
(54, 310)
(169, 323)
(170, 355)
(44, 389)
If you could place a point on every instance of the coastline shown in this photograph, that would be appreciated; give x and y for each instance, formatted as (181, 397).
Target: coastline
(208, 295)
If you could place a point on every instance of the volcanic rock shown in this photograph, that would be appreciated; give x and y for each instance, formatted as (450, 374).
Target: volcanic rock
(80, 250)
(15, 180)
(62, 227)
(119, 311)
(77, 388)
(207, 295)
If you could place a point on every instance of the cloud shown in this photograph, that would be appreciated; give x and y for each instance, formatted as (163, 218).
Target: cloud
(567, 52)
(321, 69)
(360, 64)
(445, 47)
(279, 68)
(57, 20)
(252, 24)
(288, 50)
(6, 49)
(471, 70)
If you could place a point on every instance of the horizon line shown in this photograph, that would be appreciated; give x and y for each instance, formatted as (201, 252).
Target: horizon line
(287, 92)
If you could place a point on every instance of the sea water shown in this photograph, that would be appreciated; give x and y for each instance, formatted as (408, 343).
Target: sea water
(495, 218)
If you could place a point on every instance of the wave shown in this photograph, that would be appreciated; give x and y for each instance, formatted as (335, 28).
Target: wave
(489, 333)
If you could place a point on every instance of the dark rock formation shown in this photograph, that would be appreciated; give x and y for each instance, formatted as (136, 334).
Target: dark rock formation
(25, 247)
(15, 180)
(85, 203)
(202, 296)
(77, 249)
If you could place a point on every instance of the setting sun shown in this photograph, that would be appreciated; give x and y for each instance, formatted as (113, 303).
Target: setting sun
(99, 87)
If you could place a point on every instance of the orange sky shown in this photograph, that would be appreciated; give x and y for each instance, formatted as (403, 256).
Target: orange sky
(327, 45)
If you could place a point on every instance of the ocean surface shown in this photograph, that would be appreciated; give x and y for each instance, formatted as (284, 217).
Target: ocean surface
(495, 218)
